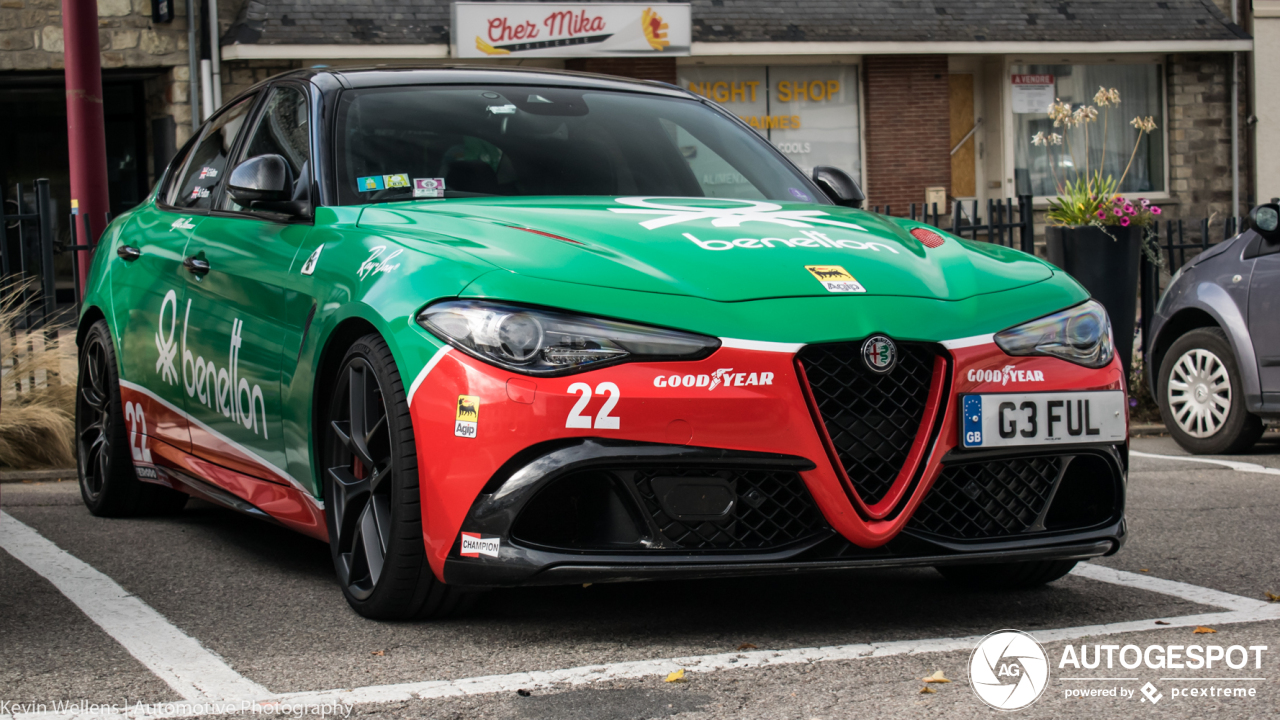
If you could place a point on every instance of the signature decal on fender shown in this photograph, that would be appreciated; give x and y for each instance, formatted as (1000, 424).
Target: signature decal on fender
(182, 224)
(383, 264)
(221, 389)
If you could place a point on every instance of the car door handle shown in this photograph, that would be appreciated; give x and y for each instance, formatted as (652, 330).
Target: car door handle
(196, 266)
(128, 253)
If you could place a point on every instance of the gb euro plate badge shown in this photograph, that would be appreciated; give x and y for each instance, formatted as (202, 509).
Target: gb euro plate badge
(1042, 418)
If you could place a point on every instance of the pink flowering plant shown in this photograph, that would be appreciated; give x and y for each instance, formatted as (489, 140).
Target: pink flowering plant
(1087, 197)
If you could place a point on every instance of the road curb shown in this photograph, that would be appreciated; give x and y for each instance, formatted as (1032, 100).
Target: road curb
(1147, 429)
(14, 476)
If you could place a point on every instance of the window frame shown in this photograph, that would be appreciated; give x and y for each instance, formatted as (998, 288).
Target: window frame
(251, 125)
(1041, 202)
(162, 199)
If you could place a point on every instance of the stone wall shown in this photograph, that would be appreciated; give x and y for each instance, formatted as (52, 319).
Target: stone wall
(240, 75)
(31, 35)
(1199, 136)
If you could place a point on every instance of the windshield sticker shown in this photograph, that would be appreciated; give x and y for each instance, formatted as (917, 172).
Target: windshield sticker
(811, 239)
(835, 278)
(375, 263)
(799, 194)
(309, 266)
(467, 421)
(208, 172)
(428, 187)
(373, 182)
(754, 211)
(399, 180)
(199, 192)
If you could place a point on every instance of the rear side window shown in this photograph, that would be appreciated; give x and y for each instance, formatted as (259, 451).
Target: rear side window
(209, 160)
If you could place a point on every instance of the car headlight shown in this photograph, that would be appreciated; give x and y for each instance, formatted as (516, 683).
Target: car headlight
(1081, 334)
(536, 341)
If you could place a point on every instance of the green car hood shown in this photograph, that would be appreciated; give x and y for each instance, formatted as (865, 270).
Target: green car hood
(722, 250)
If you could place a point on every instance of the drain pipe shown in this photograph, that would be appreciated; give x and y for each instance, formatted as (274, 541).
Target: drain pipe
(206, 67)
(215, 53)
(1235, 118)
(193, 69)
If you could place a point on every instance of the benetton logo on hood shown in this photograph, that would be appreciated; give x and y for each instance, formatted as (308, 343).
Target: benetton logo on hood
(750, 211)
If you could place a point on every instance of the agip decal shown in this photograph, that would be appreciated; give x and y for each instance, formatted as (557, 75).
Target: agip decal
(467, 416)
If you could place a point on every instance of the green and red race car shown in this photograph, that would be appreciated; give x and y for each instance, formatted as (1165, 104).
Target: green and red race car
(498, 327)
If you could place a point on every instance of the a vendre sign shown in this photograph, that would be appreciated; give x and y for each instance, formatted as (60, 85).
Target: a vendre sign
(535, 29)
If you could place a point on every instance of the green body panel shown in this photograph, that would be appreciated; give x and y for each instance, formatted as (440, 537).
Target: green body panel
(743, 258)
(381, 264)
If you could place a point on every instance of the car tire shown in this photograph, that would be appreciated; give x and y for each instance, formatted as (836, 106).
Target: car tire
(1007, 576)
(1191, 374)
(109, 483)
(373, 507)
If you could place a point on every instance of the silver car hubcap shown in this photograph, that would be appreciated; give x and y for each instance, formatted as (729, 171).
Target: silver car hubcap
(1199, 393)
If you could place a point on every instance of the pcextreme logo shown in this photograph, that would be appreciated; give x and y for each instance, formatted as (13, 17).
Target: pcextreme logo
(221, 389)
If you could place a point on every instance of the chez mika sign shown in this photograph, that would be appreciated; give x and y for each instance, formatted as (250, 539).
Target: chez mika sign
(537, 29)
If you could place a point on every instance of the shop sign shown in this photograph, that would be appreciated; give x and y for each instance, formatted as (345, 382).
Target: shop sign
(525, 29)
(1033, 93)
(809, 112)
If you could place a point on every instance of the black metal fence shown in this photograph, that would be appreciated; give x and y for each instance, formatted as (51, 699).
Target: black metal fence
(1173, 244)
(28, 246)
(27, 249)
(1008, 222)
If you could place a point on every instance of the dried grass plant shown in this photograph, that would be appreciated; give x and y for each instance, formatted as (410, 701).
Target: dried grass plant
(37, 388)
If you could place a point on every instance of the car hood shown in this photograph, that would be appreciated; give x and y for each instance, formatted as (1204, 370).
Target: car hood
(724, 250)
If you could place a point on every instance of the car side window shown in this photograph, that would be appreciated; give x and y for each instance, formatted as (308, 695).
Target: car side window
(283, 129)
(209, 160)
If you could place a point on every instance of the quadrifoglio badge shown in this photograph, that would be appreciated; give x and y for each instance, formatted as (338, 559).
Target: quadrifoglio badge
(1010, 670)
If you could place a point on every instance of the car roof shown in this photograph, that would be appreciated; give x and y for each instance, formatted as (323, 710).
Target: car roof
(402, 75)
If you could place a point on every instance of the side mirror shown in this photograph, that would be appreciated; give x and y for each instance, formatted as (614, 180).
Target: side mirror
(1265, 220)
(265, 182)
(839, 186)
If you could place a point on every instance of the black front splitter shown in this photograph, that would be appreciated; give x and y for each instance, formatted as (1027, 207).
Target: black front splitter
(479, 573)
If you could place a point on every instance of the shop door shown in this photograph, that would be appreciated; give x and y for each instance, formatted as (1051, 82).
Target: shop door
(963, 160)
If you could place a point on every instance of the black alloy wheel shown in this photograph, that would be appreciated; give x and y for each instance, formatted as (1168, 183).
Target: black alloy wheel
(109, 482)
(360, 469)
(372, 503)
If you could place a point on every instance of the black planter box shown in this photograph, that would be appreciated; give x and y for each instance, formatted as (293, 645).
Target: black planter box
(1105, 262)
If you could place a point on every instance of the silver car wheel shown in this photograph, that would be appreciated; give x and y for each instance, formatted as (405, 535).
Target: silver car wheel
(1199, 393)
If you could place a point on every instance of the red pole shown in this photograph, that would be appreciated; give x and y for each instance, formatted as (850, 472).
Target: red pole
(86, 132)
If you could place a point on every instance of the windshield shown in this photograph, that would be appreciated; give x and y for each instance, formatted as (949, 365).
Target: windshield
(403, 143)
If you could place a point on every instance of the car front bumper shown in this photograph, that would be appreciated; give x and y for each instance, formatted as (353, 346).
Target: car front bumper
(602, 475)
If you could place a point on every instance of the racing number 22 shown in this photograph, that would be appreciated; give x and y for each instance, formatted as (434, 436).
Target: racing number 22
(604, 421)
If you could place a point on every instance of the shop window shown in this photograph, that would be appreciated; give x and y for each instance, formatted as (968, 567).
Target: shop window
(809, 112)
(1111, 137)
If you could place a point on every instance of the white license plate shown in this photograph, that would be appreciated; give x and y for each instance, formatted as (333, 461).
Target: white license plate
(1044, 418)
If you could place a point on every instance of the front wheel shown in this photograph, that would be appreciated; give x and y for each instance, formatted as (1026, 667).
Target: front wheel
(373, 507)
(1008, 576)
(1201, 397)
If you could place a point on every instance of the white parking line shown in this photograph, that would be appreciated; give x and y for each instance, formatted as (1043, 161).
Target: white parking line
(193, 672)
(238, 694)
(1233, 464)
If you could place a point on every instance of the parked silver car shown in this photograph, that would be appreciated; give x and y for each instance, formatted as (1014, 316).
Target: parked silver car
(1215, 341)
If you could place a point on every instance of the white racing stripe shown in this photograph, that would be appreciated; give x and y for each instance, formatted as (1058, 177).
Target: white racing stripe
(761, 345)
(193, 672)
(426, 370)
(1233, 464)
(255, 457)
(970, 341)
(1240, 610)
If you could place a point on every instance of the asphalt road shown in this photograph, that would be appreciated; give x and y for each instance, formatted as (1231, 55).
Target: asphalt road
(263, 601)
